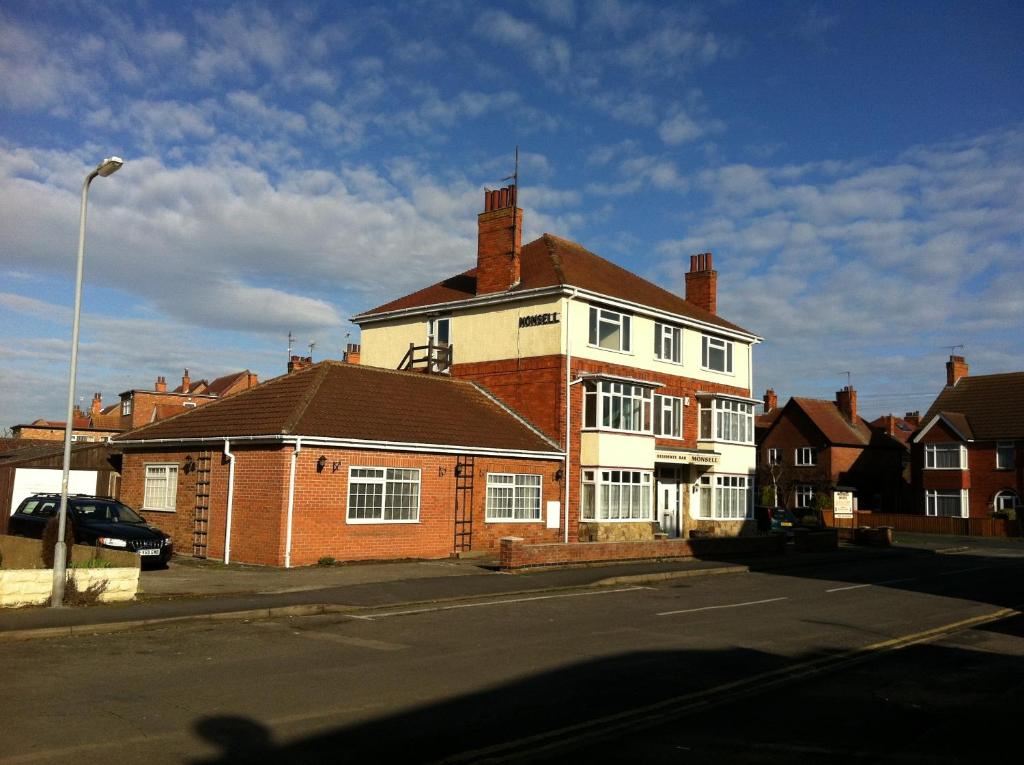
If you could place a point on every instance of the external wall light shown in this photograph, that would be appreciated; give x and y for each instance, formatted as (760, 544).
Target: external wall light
(189, 465)
(321, 463)
(559, 474)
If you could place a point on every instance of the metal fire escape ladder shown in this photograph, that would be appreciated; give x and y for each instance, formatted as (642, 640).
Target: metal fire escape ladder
(465, 470)
(201, 515)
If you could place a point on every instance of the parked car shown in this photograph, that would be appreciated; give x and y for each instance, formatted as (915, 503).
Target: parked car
(97, 521)
(775, 520)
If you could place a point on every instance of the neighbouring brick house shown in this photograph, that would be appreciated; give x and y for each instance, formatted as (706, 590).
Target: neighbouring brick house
(344, 461)
(967, 458)
(648, 391)
(810, 446)
(140, 406)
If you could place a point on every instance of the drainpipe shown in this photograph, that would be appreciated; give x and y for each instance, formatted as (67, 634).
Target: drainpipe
(291, 504)
(568, 410)
(231, 498)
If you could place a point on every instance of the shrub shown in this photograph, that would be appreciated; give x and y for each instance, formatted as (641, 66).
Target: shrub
(326, 560)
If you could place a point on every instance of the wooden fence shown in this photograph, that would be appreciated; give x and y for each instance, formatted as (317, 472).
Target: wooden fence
(929, 524)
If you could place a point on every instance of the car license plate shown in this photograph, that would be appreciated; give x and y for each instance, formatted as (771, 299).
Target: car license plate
(149, 551)
(787, 523)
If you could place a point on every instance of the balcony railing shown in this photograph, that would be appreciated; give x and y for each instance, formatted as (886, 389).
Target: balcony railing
(432, 358)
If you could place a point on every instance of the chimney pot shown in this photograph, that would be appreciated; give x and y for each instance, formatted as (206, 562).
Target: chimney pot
(771, 401)
(702, 283)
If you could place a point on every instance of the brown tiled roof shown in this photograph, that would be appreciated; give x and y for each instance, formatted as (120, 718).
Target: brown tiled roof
(829, 420)
(222, 385)
(902, 429)
(552, 261)
(992, 405)
(337, 400)
(767, 420)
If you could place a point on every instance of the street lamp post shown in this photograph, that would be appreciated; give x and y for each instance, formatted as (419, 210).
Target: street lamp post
(106, 167)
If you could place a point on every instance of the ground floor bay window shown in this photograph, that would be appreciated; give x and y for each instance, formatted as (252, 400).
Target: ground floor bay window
(948, 504)
(617, 495)
(724, 497)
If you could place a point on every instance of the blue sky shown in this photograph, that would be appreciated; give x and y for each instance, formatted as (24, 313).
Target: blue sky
(857, 169)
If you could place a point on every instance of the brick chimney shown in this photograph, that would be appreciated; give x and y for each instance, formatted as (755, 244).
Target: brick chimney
(499, 242)
(186, 381)
(161, 385)
(770, 400)
(297, 363)
(352, 352)
(97, 405)
(913, 419)
(956, 368)
(252, 380)
(846, 401)
(702, 282)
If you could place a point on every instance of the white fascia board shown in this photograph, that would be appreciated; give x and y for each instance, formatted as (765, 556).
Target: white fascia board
(621, 378)
(433, 308)
(353, 443)
(931, 424)
(733, 396)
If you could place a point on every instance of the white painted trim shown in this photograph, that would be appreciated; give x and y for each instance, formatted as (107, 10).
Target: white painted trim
(959, 447)
(383, 496)
(355, 443)
(291, 504)
(931, 423)
(145, 477)
(231, 499)
(540, 500)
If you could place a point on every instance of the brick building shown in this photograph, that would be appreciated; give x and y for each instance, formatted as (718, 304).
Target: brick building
(140, 406)
(647, 391)
(967, 459)
(344, 461)
(810, 446)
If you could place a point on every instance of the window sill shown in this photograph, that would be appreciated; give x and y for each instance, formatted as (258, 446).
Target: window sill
(724, 441)
(513, 520)
(616, 520)
(610, 350)
(613, 431)
(717, 371)
(669, 361)
(376, 522)
(158, 509)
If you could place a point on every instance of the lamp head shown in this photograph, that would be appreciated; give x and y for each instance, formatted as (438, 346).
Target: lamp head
(109, 166)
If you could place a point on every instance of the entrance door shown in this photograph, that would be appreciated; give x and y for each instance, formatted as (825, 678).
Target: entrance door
(669, 500)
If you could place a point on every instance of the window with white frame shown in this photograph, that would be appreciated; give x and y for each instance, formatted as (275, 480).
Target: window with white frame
(948, 504)
(804, 495)
(126, 406)
(617, 495)
(161, 491)
(668, 342)
(945, 457)
(723, 419)
(609, 329)
(805, 455)
(774, 455)
(513, 497)
(1005, 500)
(668, 416)
(383, 495)
(1005, 455)
(439, 329)
(617, 406)
(724, 497)
(716, 354)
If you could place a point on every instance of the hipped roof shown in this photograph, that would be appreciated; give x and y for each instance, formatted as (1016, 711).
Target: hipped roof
(347, 401)
(551, 261)
(983, 407)
(836, 429)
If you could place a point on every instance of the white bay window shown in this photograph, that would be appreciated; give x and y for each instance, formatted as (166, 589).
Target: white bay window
(617, 406)
(617, 495)
(724, 497)
(723, 419)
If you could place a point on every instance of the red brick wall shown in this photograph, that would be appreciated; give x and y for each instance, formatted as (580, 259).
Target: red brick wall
(319, 529)
(498, 251)
(986, 481)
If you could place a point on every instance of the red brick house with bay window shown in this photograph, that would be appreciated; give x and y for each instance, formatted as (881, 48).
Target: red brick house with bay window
(344, 461)
(967, 458)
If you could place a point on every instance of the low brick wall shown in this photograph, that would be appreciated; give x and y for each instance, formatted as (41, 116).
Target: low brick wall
(515, 553)
(33, 587)
(807, 540)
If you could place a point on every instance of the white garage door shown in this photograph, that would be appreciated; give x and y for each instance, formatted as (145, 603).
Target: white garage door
(28, 481)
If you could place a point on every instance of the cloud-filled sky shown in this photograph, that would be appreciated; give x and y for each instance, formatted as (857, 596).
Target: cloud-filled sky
(857, 169)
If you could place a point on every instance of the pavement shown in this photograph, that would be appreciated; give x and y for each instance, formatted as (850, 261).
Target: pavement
(191, 590)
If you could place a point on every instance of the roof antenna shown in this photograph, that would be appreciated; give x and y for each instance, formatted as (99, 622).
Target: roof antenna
(515, 200)
(290, 340)
(312, 345)
(848, 383)
(953, 348)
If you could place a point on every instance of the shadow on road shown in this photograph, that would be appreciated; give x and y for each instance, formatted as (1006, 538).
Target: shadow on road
(955, 702)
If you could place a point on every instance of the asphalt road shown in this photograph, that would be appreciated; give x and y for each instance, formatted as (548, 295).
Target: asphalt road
(903, 660)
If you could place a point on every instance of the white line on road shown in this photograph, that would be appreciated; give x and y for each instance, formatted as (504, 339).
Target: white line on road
(969, 570)
(712, 608)
(371, 617)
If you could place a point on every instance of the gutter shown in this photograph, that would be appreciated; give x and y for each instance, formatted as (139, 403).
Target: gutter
(291, 504)
(568, 413)
(231, 498)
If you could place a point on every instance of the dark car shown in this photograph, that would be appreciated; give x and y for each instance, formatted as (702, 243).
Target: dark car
(775, 520)
(97, 521)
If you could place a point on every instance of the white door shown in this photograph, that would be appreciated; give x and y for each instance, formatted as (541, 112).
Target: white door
(668, 506)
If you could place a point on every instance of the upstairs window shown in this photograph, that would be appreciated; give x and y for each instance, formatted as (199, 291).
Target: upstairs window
(806, 455)
(945, 457)
(439, 329)
(723, 419)
(717, 354)
(774, 456)
(126, 406)
(668, 343)
(609, 329)
(668, 416)
(617, 406)
(1005, 455)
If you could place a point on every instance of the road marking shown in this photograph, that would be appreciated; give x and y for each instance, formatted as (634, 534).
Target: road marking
(652, 715)
(430, 609)
(713, 608)
(936, 575)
